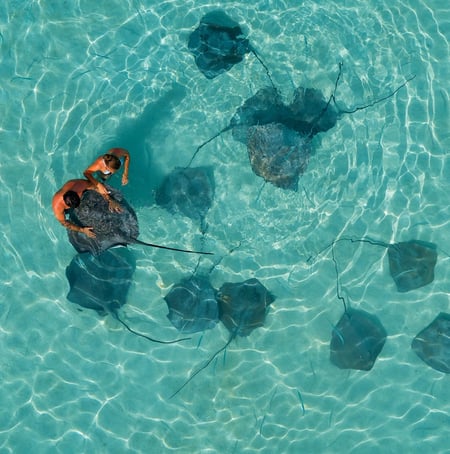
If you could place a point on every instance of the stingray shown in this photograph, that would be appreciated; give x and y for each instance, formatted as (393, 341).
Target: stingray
(278, 154)
(358, 337)
(411, 263)
(432, 344)
(111, 228)
(357, 340)
(102, 282)
(218, 43)
(192, 304)
(188, 191)
(275, 131)
(278, 136)
(308, 114)
(242, 307)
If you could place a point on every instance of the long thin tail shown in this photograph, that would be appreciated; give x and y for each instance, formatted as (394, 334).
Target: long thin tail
(203, 367)
(116, 316)
(135, 240)
(338, 293)
(352, 240)
(373, 103)
(227, 128)
(253, 50)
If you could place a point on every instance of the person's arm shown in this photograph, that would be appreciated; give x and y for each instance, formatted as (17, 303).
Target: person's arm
(89, 174)
(58, 210)
(88, 231)
(122, 153)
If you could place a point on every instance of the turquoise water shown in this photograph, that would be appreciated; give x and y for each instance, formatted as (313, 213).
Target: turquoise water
(79, 77)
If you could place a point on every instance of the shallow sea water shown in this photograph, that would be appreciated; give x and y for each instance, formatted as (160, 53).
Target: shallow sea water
(79, 77)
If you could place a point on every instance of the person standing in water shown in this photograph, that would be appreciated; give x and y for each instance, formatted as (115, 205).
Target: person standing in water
(69, 197)
(105, 166)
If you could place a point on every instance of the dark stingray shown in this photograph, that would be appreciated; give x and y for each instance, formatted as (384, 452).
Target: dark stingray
(274, 131)
(278, 136)
(308, 114)
(242, 307)
(193, 305)
(218, 43)
(358, 337)
(102, 283)
(357, 340)
(411, 263)
(111, 228)
(188, 191)
(432, 344)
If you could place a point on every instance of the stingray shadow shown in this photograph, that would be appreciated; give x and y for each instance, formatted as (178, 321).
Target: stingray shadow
(132, 134)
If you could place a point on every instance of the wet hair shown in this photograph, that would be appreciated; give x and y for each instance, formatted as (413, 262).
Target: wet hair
(112, 161)
(71, 199)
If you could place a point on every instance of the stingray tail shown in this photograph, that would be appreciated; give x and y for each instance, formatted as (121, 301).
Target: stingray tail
(373, 103)
(364, 239)
(116, 316)
(338, 293)
(232, 336)
(253, 51)
(227, 128)
(353, 240)
(331, 99)
(361, 240)
(135, 240)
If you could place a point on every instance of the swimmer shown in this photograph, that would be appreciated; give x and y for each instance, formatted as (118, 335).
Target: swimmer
(69, 196)
(105, 166)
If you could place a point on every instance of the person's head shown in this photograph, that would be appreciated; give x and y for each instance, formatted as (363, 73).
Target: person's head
(71, 199)
(112, 161)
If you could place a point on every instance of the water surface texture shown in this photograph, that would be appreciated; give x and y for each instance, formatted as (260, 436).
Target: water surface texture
(82, 76)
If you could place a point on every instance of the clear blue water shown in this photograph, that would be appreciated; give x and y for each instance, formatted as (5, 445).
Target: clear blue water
(79, 77)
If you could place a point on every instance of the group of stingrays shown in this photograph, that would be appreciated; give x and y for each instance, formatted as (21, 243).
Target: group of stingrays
(278, 138)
